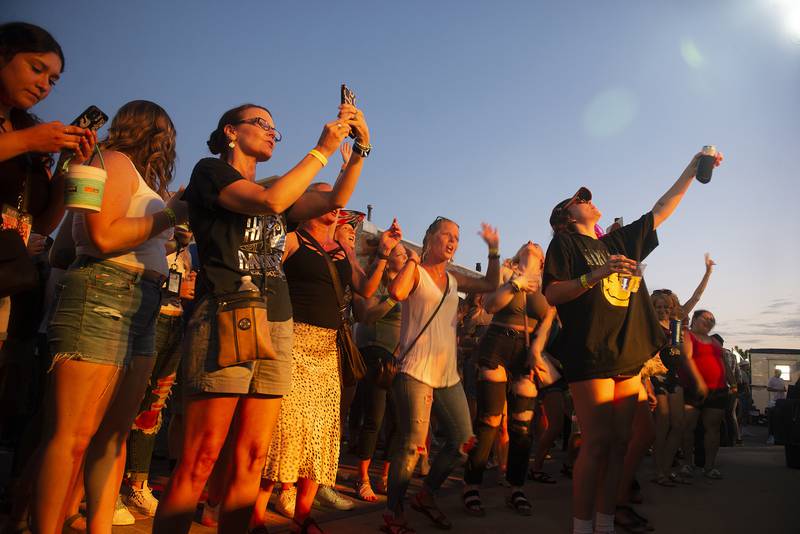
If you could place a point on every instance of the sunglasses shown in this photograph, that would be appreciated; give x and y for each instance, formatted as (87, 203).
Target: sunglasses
(662, 292)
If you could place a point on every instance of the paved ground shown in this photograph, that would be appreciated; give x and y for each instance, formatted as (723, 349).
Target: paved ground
(758, 494)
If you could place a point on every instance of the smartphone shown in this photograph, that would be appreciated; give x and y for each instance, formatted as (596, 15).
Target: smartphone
(92, 118)
(348, 97)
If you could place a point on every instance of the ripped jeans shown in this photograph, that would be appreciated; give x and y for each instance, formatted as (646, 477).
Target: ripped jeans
(414, 401)
(142, 439)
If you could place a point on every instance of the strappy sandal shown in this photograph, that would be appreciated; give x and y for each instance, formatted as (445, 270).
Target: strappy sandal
(306, 525)
(391, 527)
(541, 477)
(472, 503)
(519, 503)
(364, 491)
(431, 512)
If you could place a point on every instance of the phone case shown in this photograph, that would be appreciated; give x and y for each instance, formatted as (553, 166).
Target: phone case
(92, 118)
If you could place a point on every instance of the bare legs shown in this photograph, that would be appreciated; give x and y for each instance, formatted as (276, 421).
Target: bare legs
(605, 409)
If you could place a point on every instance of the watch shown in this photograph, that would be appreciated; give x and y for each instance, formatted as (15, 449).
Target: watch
(361, 150)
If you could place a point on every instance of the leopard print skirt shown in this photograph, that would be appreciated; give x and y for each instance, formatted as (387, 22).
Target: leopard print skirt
(305, 442)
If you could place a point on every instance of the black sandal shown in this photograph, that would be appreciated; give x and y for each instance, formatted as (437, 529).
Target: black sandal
(541, 477)
(431, 512)
(472, 503)
(642, 519)
(519, 503)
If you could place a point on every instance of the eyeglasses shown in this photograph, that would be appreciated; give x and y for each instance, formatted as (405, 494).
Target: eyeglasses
(264, 125)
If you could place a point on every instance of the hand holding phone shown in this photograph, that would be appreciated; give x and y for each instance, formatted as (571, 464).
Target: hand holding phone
(348, 97)
(92, 119)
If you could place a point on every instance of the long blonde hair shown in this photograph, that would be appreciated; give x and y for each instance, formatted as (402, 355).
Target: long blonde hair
(143, 131)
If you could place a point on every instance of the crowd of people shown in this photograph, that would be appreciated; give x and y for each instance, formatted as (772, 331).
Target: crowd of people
(276, 337)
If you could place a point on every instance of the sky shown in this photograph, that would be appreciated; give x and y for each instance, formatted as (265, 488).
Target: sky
(496, 111)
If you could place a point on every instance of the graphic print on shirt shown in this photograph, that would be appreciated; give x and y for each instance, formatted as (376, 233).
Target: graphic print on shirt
(252, 253)
(616, 289)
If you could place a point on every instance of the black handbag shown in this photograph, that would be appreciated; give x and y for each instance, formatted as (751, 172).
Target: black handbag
(353, 367)
(389, 366)
(17, 271)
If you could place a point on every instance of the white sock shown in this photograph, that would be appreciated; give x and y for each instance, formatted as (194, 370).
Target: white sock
(581, 526)
(604, 523)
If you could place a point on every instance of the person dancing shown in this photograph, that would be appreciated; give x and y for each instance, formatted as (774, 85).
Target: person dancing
(609, 331)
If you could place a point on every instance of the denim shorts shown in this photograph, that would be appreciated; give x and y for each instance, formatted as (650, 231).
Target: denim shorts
(202, 374)
(104, 313)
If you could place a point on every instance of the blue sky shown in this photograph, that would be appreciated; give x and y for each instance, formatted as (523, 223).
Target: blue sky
(496, 111)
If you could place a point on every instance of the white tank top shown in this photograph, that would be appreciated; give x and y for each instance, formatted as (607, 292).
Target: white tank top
(432, 359)
(149, 255)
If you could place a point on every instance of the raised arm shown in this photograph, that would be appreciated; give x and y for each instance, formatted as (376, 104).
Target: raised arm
(689, 305)
(367, 285)
(670, 200)
(491, 279)
(500, 297)
(407, 279)
(244, 196)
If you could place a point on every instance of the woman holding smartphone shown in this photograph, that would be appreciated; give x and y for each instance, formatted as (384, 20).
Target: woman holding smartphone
(609, 331)
(102, 335)
(240, 230)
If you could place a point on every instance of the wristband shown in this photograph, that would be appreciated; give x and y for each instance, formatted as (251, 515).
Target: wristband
(390, 301)
(585, 282)
(173, 219)
(494, 251)
(319, 156)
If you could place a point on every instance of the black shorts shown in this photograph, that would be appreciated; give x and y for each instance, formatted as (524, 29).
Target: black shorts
(559, 385)
(506, 347)
(716, 399)
(664, 384)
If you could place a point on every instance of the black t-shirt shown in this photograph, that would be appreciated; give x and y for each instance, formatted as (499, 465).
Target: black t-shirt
(231, 244)
(611, 329)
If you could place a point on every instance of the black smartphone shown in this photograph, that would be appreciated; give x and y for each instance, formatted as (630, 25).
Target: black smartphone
(349, 97)
(92, 118)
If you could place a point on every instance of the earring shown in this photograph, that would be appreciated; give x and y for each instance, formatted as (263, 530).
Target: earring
(232, 144)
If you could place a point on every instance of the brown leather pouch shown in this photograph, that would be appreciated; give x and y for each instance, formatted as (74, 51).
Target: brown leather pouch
(243, 329)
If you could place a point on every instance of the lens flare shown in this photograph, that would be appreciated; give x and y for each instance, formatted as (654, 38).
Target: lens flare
(610, 112)
(691, 54)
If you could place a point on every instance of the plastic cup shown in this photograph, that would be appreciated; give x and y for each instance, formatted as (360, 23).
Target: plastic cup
(83, 188)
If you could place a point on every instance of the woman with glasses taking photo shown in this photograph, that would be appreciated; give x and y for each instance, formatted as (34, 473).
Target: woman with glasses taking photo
(240, 230)
(609, 331)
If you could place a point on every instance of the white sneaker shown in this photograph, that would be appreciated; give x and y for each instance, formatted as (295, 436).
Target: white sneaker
(286, 502)
(327, 497)
(122, 516)
(140, 500)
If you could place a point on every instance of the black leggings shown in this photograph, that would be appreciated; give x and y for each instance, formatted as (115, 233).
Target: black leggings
(491, 397)
(375, 407)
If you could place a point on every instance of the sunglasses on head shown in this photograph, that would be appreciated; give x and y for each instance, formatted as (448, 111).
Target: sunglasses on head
(662, 292)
